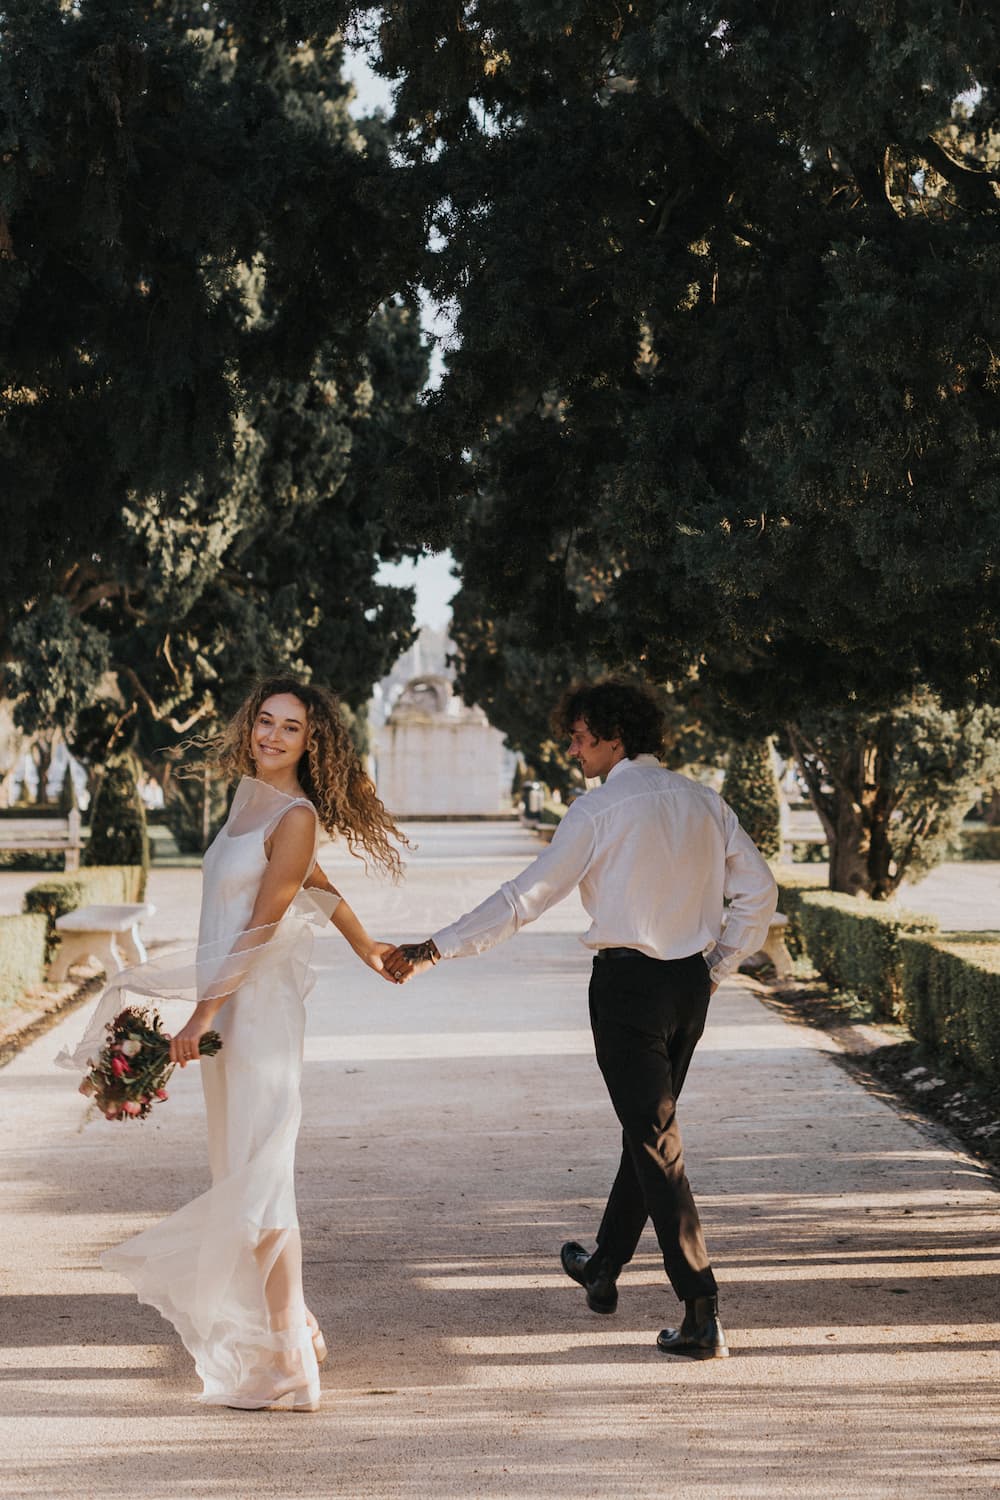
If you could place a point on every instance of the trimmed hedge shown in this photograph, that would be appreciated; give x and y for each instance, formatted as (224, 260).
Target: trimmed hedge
(855, 944)
(23, 945)
(101, 885)
(979, 843)
(951, 999)
(792, 886)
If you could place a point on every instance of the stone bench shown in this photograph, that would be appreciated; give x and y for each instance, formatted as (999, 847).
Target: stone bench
(774, 947)
(107, 933)
(65, 841)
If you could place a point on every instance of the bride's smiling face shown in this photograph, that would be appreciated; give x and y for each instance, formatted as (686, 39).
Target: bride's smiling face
(278, 737)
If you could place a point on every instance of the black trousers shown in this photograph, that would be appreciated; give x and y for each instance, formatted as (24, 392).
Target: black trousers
(647, 1016)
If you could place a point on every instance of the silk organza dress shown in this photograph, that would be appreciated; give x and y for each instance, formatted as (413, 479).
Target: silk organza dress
(206, 1268)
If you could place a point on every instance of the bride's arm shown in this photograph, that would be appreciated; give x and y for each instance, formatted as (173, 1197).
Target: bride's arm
(350, 926)
(292, 845)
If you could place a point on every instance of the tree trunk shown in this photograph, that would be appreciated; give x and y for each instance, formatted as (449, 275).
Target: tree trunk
(849, 842)
(42, 752)
(880, 803)
(837, 786)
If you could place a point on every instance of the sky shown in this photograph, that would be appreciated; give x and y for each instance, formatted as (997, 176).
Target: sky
(435, 585)
(432, 575)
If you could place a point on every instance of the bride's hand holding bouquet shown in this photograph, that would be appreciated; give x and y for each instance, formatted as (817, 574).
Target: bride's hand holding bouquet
(132, 1069)
(188, 1044)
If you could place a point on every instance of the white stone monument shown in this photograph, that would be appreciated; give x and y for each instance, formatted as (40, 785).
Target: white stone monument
(436, 757)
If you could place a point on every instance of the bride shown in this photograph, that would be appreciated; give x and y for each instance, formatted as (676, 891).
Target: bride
(226, 1269)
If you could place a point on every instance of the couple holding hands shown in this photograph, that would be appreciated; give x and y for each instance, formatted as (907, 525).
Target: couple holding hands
(677, 894)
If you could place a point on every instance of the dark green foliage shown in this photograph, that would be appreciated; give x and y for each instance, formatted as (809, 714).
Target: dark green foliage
(951, 999)
(39, 860)
(111, 885)
(22, 955)
(855, 945)
(118, 821)
(792, 885)
(979, 843)
(192, 823)
(751, 789)
(68, 800)
(732, 387)
(892, 789)
(210, 347)
(728, 404)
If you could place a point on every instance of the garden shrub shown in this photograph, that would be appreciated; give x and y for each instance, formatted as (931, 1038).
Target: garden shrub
(23, 955)
(792, 885)
(118, 820)
(752, 791)
(979, 843)
(185, 812)
(951, 998)
(855, 944)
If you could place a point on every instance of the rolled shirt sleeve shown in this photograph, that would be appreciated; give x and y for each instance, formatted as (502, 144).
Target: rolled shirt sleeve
(548, 879)
(752, 894)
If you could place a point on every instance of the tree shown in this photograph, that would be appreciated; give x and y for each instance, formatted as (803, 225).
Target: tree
(248, 534)
(118, 821)
(735, 376)
(728, 409)
(751, 789)
(892, 790)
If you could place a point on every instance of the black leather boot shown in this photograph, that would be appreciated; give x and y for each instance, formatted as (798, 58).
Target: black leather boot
(596, 1275)
(700, 1336)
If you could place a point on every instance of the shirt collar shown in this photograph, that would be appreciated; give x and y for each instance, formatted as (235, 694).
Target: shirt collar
(636, 760)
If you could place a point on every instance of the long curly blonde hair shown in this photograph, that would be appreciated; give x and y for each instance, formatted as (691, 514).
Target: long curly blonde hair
(330, 771)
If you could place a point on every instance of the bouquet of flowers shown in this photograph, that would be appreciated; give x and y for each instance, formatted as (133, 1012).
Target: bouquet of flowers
(134, 1065)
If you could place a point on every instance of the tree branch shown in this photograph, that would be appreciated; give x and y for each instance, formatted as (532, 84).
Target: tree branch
(873, 180)
(810, 761)
(978, 188)
(178, 726)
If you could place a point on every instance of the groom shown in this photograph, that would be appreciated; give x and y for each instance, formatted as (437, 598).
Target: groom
(655, 856)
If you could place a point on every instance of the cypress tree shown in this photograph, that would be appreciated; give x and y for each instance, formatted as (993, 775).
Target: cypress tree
(118, 822)
(752, 791)
(209, 352)
(68, 800)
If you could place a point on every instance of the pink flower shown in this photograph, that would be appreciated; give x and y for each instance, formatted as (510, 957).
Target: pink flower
(131, 1107)
(111, 1114)
(119, 1065)
(162, 1094)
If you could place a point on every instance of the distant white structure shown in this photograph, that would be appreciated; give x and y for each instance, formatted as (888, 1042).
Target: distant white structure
(436, 757)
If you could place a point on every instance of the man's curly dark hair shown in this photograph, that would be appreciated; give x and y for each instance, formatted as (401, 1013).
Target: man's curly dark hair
(613, 710)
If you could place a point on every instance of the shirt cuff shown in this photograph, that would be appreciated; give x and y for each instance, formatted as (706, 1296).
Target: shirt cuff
(722, 962)
(446, 941)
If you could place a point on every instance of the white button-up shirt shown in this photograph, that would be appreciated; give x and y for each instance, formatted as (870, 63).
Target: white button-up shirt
(656, 856)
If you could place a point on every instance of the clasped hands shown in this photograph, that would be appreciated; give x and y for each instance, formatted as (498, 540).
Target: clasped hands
(403, 962)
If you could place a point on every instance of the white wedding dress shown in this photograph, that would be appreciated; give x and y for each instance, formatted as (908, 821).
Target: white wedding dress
(225, 1269)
